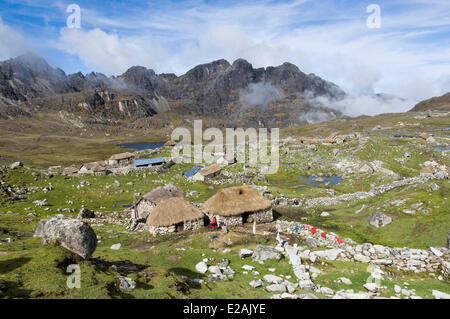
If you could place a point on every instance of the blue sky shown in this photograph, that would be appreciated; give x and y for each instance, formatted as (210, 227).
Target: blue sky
(409, 55)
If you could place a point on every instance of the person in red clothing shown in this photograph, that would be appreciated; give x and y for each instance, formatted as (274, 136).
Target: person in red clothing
(214, 223)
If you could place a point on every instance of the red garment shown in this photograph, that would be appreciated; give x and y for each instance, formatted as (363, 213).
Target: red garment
(214, 223)
(313, 230)
(324, 235)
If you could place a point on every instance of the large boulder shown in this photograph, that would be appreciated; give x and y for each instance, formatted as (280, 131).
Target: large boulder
(72, 234)
(379, 219)
(40, 229)
(86, 213)
(16, 165)
(262, 253)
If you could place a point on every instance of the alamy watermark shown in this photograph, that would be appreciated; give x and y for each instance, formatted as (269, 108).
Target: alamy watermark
(374, 20)
(74, 19)
(250, 146)
(74, 280)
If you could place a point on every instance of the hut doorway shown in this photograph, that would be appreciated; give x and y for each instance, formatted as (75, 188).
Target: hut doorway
(179, 227)
(245, 217)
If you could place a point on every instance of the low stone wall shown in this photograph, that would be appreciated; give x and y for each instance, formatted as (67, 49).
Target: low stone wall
(405, 259)
(328, 240)
(261, 217)
(229, 220)
(189, 225)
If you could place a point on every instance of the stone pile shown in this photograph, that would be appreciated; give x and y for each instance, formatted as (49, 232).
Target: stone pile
(433, 260)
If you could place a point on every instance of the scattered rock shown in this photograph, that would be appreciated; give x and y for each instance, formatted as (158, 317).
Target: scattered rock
(273, 279)
(201, 267)
(379, 220)
(256, 283)
(440, 295)
(243, 253)
(86, 213)
(126, 283)
(16, 165)
(262, 253)
(372, 287)
(40, 229)
(116, 246)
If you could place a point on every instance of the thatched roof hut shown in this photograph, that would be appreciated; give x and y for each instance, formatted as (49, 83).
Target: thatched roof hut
(235, 201)
(307, 140)
(211, 171)
(122, 156)
(160, 193)
(71, 170)
(147, 203)
(172, 211)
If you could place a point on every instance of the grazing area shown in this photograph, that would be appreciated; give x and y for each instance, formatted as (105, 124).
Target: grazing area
(346, 206)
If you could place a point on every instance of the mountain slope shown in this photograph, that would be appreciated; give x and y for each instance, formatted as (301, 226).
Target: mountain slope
(440, 103)
(236, 92)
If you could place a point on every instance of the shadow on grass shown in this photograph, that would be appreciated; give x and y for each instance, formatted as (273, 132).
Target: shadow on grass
(10, 289)
(11, 264)
(185, 285)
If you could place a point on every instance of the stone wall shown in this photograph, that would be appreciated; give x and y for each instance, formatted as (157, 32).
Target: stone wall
(265, 216)
(164, 230)
(229, 220)
(262, 217)
(404, 259)
(143, 209)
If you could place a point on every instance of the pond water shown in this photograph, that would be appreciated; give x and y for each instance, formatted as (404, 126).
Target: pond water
(298, 181)
(121, 203)
(142, 146)
(318, 181)
(442, 148)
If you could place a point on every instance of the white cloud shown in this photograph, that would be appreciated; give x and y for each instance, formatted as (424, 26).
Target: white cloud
(407, 57)
(110, 52)
(12, 42)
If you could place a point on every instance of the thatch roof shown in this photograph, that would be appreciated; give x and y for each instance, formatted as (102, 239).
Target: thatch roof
(215, 168)
(90, 166)
(163, 192)
(70, 170)
(171, 211)
(170, 143)
(307, 140)
(98, 168)
(235, 201)
(122, 156)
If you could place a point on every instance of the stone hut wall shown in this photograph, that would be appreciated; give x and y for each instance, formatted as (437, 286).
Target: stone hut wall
(144, 208)
(164, 230)
(264, 216)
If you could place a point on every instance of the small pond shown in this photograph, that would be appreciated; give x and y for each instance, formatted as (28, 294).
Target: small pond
(298, 181)
(333, 180)
(442, 148)
(142, 146)
(121, 204)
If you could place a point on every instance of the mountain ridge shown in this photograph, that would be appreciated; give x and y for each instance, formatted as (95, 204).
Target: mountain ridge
(28, 84)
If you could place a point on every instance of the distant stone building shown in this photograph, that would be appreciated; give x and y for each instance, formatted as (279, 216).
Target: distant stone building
(239, 205)
(70, 171)
(174, 215)
(88, 167)
(210, 171)
(148, 202)
(122, 159)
